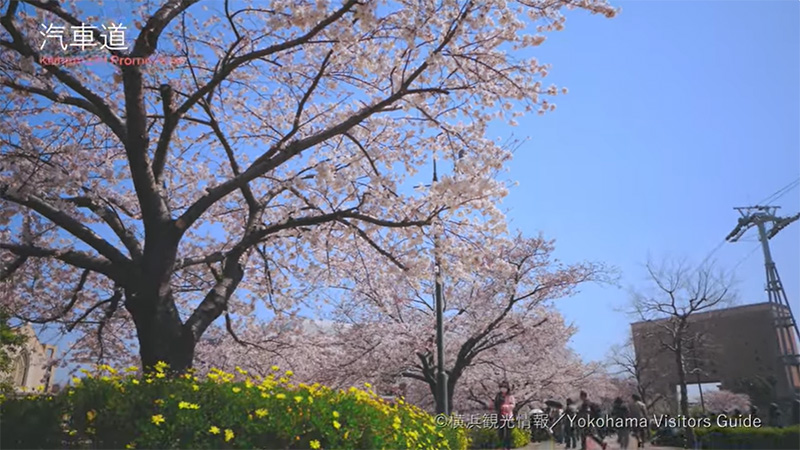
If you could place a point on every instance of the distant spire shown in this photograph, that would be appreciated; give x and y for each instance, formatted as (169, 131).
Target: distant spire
(435, 177)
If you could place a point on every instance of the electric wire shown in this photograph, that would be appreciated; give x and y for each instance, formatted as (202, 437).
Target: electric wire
(780, 192)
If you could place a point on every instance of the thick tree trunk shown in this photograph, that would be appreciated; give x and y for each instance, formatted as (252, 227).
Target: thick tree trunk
(162, 335)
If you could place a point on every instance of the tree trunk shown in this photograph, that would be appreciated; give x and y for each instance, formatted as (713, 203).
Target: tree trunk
(451, 387)
(684, 404)
(162, 335)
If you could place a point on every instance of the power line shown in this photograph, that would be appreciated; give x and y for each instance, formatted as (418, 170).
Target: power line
(711, 253)
(780, 192)
(749, 254)
(771, 198)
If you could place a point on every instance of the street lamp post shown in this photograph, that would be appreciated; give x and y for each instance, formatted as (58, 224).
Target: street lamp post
(442, 403)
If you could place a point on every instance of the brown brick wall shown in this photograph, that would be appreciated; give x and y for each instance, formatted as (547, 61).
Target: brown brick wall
(737, 347)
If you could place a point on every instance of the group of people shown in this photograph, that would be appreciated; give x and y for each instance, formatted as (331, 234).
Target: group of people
(568, 429)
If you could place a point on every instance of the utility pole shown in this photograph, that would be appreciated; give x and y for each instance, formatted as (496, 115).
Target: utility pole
(785, 324)
(442, 403)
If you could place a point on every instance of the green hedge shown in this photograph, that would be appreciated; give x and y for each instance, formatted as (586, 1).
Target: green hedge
(488, 438)
(749, 438)
(219, 411)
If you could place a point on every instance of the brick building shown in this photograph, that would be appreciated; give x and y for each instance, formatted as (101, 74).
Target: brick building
(736, 348)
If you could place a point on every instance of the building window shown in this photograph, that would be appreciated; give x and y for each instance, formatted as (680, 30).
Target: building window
(20, 370)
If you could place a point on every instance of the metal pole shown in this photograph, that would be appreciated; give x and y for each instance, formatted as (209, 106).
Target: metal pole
(442, 403)
(441, 376)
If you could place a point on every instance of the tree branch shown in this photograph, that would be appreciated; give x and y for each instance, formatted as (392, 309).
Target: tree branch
(18, 44)
(112, 219)
(277, 155)
(66, 222)
(68, 308)
(74, 258)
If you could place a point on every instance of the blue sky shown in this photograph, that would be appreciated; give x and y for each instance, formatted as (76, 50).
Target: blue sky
(676, 113)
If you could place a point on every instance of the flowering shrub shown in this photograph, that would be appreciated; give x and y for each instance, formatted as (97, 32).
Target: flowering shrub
(748, 437)
(484, 438)
(221, 410)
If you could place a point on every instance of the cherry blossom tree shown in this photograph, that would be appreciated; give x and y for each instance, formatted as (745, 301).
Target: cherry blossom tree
(722, 400)
(143, 202)
(499, 324)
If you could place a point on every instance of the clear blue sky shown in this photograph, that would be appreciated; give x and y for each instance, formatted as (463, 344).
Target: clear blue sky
(676, 113)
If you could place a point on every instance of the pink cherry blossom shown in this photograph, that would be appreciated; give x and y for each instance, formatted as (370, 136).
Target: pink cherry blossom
(139, 204)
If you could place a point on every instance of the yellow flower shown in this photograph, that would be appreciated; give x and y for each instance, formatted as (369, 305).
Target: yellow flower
(160, 375)
(213, 376)
(158, 401)
(76, 380)
(90, 415)
(336, 424)
(248, 384)
(396, 426)
(236, 390)
(275, 368)
(336, 414)
(261, 412)
(187, 405)
(105, 378)
(298, 398)
(135, 381)
(213, 430)
(314, 444)
(160, 366)
(131, 445)
(195, 387)
(149, 380)
(131, 369)
(228, 434)
(264, 395)
(158, 419)
(310, 399)
(346, 433)
(289, 373)
(280, 396)
(367, 385)
(73, 432)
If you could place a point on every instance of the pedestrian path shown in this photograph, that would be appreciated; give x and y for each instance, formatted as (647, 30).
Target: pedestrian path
(611, 441)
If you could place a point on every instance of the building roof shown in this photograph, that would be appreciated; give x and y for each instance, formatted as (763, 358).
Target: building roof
(715, 313)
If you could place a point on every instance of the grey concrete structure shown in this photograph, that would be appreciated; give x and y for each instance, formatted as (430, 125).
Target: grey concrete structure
(737, 348)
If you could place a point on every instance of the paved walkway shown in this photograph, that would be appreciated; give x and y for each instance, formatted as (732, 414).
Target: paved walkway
(611, 441)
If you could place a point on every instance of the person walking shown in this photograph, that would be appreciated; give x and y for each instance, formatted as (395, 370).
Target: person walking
(569, 424)
(638, 411)
(589, 411)
(558, 428)
(620, 414)
(504, 406)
